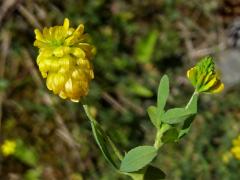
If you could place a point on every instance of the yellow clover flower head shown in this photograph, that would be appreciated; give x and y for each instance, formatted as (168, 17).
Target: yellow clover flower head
(8, 147)
(235, 150)
(204, 77)
(65, 60)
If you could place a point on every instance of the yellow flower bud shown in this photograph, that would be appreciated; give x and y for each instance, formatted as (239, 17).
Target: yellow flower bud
(65, 60)
(204, 78)
(8, 147)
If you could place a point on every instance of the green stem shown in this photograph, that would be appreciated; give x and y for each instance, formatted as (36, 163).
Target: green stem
(158, 139)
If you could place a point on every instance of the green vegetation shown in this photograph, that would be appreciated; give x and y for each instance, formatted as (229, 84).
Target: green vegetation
(137, 43)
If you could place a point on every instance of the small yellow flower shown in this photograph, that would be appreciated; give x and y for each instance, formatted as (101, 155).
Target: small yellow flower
(235, 150)
(65, 60)
(204, 78)
(8, 147)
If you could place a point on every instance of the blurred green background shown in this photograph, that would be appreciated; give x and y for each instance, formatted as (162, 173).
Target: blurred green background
(137, 42)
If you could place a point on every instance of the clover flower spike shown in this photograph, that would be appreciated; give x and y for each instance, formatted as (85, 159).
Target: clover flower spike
(65, 60)
(204, 77)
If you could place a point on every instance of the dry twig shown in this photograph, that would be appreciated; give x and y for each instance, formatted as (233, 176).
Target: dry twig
(116, 105)
(139, 110)
(29, 17)
(6, 7)
(194, 53)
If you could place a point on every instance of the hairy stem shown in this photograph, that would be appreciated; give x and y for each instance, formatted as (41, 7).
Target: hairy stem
(158, 139)
(164, 127)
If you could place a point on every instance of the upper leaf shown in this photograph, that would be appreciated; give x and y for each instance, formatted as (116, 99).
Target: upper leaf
(154, 116)
(176, 115)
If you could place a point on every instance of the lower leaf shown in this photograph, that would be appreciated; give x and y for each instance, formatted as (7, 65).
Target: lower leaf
(137, 158)
(106, 145)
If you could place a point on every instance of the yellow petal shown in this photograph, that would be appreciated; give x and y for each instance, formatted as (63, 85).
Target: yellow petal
(49, 81)
(78, 52)
(80, 29)
(191, 75)
(75, 100)
(66, 23)
(69, 86)
(217, 88)
(38, 35)
(210, 84)
(58, 52)
(208, 77)
(63, 95)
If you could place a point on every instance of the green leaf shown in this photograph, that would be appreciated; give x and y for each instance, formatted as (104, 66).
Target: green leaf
(102, 141)
(106, 145)
(170, 136)
(163, 91)
(154, 173)
(154, 116)
(176, 115)
(192, 105)
(145, 47)
(138, 158)
(25, 154)
(186, 126)
(155, 113)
